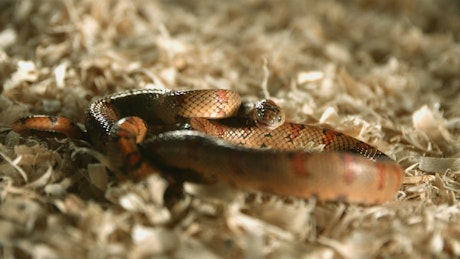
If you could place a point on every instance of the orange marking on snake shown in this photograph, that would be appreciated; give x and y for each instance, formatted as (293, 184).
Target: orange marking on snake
(264, 169)
(298, 161)
(295, 131)
(329, 136)
(223, 98)
(220, 130)
(123, 133)
(134, 159)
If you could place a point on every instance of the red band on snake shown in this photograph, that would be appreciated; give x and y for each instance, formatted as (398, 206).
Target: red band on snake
(236, 149)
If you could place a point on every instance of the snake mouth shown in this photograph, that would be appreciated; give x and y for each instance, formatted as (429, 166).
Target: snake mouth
(270, 122)
(265, 125)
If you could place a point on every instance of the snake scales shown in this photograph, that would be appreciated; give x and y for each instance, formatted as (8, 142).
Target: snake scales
(245, 152)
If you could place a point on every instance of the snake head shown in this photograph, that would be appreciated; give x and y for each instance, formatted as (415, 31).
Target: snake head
(268, 115)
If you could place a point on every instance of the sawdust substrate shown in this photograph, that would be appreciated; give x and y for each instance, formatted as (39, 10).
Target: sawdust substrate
(386, 72)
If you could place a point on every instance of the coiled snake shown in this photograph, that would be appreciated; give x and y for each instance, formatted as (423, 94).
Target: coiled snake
(260, 153)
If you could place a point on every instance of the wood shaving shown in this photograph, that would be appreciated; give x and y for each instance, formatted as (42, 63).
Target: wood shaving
(386, 72)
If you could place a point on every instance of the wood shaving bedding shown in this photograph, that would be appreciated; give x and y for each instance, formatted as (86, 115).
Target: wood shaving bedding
(386, 72)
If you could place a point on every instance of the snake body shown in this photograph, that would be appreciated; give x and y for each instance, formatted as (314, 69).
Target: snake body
(234, 150)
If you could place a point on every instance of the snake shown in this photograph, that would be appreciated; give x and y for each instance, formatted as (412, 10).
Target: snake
(212, 136)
